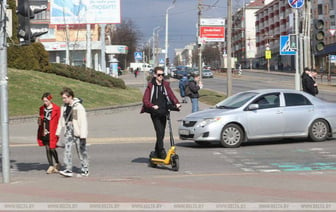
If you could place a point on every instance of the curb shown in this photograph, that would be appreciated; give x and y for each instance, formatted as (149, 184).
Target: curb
(103, 110)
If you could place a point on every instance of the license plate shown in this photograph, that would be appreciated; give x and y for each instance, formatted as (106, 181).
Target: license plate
(184, 132)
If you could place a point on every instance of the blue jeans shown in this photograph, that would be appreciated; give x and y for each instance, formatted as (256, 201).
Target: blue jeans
(194, 105)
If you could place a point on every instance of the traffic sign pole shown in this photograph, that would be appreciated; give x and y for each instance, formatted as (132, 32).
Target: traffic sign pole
(4, 98)
(297, 67)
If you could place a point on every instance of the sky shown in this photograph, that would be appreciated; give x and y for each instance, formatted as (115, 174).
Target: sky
(148, 14)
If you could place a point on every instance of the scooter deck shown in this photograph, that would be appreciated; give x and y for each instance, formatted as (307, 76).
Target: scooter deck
(165, 161)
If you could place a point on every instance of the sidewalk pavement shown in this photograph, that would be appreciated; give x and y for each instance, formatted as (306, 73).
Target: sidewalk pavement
(124, 124)
(321, 79)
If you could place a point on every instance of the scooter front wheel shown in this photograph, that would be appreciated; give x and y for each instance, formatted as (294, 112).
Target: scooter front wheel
(175, 162)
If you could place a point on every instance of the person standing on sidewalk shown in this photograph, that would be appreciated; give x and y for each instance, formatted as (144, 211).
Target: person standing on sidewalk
(46, 134)
(195, 85)
(182, 85)
(157, 97)
(73, 118)
(305, 78)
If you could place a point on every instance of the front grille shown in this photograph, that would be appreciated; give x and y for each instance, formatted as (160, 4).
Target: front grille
(189, 123)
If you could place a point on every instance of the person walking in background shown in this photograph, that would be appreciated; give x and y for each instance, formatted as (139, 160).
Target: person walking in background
(73, 118)
(46, 135)
(136, 72)
(157, 97)
(182, 85)
(305, 78)
(195, 85)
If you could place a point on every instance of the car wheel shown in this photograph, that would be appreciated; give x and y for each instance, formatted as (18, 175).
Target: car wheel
(232, 136)
(319, 130)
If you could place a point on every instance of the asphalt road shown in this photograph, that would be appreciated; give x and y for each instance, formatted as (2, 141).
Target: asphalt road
(281, 171)
(120, 142)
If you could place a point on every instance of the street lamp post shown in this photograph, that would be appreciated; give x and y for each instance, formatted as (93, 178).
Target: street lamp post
(166, 40)
(154, 44)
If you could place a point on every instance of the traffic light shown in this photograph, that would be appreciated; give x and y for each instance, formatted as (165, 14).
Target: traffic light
(25, 13)
(292, 42)
(167, 61)
(318, 39)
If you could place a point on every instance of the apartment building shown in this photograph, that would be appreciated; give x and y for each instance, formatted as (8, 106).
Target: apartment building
(244, 33)
(277, 18)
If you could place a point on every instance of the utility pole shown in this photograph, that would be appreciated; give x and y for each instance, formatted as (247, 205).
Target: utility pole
(4, 96)
(154, 45)
(166, 39)
(199, 42)
(228, 46)
(307, 49)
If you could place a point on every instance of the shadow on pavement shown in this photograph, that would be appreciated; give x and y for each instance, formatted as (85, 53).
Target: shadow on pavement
(268, 142)
(25, 167)
(140, 160)
(203, 145)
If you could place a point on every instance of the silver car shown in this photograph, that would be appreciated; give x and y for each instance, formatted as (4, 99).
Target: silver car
(261, 114)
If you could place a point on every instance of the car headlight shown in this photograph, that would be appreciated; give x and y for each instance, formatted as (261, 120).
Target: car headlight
(208, 121)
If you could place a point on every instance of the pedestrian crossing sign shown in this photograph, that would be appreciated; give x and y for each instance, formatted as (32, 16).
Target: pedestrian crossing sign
(138, 55)
(162, 61)
(285, 46)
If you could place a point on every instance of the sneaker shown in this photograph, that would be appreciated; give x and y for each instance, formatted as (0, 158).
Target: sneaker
(66, 173)
(163, 154)
(50, 170)
(85, 173)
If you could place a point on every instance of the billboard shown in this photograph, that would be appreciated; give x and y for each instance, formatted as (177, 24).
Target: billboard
(84, 11)
(212, 30)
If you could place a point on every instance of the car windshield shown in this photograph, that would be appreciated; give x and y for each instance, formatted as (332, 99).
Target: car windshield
(236, 101)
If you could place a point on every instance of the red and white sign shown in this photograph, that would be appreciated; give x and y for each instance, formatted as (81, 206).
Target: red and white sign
(212, 30)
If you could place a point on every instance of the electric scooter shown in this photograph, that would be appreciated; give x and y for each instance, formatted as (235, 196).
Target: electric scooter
(172, 158)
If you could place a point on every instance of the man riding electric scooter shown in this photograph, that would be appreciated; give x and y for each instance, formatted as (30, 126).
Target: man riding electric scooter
(158, 99)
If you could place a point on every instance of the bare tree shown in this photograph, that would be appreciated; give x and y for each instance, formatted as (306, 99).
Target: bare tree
(127, 34)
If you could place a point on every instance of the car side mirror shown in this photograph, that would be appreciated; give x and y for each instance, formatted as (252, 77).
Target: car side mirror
(253, 107)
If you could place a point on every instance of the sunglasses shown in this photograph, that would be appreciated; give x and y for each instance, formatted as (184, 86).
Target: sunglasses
(160, 75)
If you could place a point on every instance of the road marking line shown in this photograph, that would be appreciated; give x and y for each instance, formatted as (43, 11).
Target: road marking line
(270, 170)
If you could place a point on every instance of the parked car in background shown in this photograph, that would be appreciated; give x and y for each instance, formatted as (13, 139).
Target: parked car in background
(259, 115)
(207, 73)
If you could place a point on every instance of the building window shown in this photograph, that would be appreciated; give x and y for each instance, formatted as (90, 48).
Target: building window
(320, 9)
(331, 4)
(332, 21)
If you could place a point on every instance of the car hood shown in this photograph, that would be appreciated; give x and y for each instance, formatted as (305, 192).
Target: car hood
(207, 113)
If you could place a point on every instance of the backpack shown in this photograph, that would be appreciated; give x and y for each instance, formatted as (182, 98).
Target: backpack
(187, 90)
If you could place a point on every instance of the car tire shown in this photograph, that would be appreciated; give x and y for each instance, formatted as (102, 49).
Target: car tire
(232, 136)
(319, 130)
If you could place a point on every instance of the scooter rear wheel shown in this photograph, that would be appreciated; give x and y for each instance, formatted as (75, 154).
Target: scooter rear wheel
(175, 162)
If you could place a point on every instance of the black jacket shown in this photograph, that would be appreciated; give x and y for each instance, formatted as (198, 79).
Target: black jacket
(305, 77)
(308, 85)
(194, 88)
